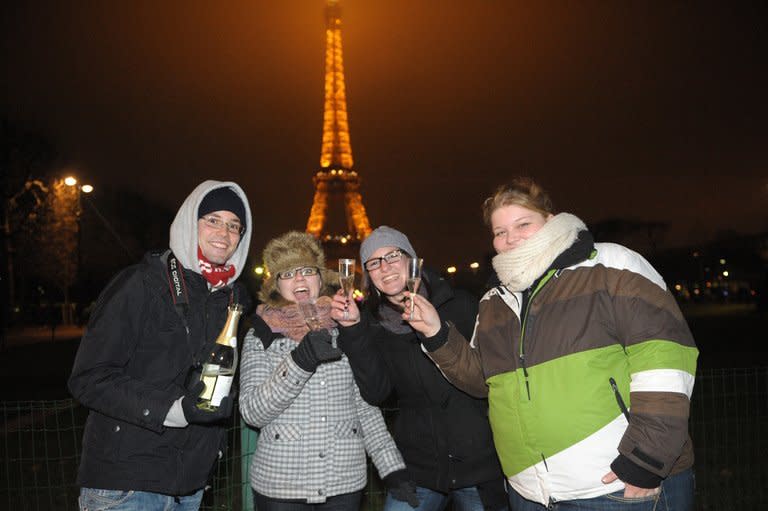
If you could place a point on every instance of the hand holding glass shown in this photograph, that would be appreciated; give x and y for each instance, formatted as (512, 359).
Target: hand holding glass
(308, 309)
(347, 279)
(414, 277)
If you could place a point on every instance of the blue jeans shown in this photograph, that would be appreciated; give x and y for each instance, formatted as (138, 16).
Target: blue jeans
(676, 495)
(463, 499)
(93, 499)
(345, 502)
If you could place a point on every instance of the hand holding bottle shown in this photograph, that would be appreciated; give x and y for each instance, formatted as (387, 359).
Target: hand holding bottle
(195, 415)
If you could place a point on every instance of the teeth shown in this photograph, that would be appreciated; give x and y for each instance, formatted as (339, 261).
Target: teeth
(301, 290)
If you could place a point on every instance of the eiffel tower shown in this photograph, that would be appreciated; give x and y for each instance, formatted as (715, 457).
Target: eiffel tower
(337, 218)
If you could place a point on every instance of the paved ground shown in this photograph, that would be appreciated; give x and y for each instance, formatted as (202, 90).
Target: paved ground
(22, 336)
(37, 362)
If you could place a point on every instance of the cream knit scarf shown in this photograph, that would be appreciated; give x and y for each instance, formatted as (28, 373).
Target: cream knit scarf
(519, 268)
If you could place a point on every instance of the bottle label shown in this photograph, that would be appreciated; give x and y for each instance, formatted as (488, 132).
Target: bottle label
(221, 389)
(209, 376)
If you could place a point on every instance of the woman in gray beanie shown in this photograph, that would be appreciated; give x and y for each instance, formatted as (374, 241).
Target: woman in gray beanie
(442, 432)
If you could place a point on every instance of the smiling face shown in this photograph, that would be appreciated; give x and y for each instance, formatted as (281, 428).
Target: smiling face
(390, 278)
(218, 243)
(513, 224)
(300, 288)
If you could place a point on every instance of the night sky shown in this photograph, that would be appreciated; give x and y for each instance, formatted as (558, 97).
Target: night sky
(653, 111)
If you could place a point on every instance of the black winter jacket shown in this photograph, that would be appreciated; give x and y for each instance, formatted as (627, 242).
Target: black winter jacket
(131, 366)
(442, 432)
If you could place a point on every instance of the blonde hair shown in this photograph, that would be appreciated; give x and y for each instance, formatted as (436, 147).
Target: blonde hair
(521, 191)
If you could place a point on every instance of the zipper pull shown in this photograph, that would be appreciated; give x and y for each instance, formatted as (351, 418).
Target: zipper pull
(525, 373)
(619, 400)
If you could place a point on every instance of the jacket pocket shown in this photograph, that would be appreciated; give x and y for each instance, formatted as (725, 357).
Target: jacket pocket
(102, 437)
(92, 499)
(279, 458)
(349, 451)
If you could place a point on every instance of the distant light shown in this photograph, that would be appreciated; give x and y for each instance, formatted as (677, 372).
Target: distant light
(725, 273)
(708, 284)
(474, 265)
(722, 261)
(678, 287)
(259, 270)
(70, 181)
(343, 240)
(86, 188)
(695, 291)
(357, 295)
(451, 269)
(696, 254)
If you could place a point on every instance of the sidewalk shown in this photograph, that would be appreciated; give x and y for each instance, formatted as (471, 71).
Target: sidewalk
(25, 335)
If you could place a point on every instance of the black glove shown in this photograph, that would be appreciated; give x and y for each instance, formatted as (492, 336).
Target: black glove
(314, 349)
(493, 495)
(401, 488)
(195, 415)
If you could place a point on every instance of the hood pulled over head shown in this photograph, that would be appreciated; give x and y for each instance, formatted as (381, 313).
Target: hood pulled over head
(183, 234)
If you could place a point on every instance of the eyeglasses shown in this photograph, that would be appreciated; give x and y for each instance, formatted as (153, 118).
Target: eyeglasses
(304, 271)
(375, 262)
(217, 223)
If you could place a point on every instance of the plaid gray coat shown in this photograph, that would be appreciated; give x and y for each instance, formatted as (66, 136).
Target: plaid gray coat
(315, 427)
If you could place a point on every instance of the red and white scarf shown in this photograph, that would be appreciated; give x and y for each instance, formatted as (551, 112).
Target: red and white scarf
(216, 274)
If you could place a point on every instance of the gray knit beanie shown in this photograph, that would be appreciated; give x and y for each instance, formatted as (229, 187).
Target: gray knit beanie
(384, 237)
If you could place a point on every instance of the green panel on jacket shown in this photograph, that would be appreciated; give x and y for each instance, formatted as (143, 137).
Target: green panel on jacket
(661, 354)
(570, 399)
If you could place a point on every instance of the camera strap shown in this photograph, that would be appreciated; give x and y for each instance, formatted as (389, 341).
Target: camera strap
(178, 287)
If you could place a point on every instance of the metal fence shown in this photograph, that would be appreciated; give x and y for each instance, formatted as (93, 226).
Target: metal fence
(729, 420)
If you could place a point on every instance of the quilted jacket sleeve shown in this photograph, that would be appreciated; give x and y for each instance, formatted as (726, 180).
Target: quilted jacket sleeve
(378, 442)
(266, 390)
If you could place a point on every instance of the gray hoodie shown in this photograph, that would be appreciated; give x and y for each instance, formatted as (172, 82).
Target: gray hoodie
(184, 228)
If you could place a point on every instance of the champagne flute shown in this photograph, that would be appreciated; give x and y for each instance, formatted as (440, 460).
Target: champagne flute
(414, 277)
(347, 279)
(308, 309)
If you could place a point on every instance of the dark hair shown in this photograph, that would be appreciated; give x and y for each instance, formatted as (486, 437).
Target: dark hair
(373, 299)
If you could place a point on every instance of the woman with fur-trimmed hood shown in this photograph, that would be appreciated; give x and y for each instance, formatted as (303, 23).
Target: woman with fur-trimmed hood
(299, 389)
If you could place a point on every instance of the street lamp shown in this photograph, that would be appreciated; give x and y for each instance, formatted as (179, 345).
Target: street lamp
(71, 182)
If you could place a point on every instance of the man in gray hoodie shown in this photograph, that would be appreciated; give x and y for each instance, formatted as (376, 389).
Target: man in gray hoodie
(146, 445)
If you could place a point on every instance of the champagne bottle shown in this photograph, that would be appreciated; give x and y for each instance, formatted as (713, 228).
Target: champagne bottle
(219, 368)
